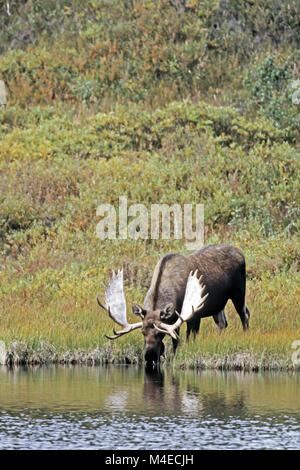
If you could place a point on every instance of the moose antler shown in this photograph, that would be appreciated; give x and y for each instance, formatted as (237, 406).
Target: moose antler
(192, 303)
(115, 305)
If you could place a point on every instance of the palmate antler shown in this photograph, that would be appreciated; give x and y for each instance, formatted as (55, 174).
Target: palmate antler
(192, 304)
(115, 305)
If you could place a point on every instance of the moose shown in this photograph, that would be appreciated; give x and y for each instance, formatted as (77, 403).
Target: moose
(184, 288)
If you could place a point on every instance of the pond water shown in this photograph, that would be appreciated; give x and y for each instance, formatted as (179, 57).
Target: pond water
(124, 407)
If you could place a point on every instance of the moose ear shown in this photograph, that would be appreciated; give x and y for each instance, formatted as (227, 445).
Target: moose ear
(139, 311)
(167, 312)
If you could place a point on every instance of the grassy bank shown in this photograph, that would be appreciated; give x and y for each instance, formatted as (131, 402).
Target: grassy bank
(162, 106)
(68, 326)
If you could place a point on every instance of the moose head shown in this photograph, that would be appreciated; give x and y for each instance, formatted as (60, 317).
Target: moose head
(155, 324)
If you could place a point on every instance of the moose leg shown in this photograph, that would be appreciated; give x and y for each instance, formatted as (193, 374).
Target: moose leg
(193, 327)
(242, 310)
(220, 320)
(247, 313)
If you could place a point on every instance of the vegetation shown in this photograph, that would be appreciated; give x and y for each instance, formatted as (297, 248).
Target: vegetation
(197, 103)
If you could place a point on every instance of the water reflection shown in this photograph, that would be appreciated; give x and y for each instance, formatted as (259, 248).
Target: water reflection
(218, 393)
(120, 407)
(161, 396)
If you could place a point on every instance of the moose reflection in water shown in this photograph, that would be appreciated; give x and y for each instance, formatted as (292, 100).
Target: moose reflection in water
(170, 397)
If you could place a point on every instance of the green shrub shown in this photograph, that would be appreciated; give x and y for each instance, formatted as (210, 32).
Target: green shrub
(270, 88)
(15, 214)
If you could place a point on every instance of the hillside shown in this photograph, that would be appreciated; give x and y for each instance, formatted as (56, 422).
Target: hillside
(161, 102)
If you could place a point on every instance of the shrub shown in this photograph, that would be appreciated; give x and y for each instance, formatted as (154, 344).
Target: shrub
(270, 88)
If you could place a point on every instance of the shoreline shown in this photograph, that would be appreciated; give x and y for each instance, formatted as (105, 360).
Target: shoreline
(21, 354)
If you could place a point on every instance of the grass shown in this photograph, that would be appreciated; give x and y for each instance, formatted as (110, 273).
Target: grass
(140, 100)
(71, 328)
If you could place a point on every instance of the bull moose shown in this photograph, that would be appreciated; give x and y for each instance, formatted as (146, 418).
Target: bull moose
(177, 294)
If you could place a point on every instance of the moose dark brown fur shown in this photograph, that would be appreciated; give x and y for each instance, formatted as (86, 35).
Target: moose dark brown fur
(223, 274)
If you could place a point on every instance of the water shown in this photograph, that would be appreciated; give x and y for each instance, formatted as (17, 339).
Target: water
(124, 408)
